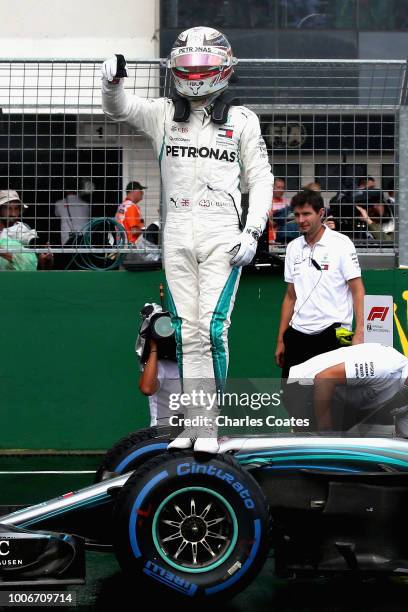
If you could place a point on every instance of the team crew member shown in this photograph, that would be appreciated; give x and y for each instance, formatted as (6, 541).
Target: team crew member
(324, 283)
(205, 145)
(129, 214)
(365, 376)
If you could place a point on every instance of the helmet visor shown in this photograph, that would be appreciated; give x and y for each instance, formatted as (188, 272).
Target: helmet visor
(197, 66)
(199, 61)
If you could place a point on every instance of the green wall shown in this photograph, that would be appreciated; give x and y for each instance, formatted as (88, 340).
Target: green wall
(68, 377)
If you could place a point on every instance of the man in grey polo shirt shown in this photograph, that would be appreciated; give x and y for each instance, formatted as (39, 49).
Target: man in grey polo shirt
(324, 286)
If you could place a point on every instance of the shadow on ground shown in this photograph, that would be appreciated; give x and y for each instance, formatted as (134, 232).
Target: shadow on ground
(107, 589)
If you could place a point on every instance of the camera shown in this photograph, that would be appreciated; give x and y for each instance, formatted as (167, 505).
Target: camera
(161, 327)
(156, 325)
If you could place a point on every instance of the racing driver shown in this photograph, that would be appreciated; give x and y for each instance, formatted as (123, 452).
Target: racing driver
(204, 145)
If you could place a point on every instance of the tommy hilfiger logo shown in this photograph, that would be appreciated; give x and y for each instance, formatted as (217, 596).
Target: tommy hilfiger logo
(225, 133)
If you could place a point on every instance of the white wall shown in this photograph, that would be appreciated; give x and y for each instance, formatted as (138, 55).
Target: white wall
(79, 28)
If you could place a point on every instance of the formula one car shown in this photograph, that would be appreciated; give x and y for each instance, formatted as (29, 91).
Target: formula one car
(202, 526)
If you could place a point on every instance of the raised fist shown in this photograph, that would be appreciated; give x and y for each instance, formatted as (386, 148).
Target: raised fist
(114, 68)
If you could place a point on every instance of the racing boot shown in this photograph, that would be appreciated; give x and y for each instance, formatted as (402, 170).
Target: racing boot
(184, 440)
(207, 438)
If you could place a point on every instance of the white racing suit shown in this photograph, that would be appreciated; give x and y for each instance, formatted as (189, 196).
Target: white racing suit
(201, 165)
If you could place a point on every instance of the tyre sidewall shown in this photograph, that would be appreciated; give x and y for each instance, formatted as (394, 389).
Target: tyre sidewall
(132, 451)
(139, 501)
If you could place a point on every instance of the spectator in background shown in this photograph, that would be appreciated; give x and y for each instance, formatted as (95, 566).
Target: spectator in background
(22, 260)
(16, 235)
(129, 214)
(343, 207)
(74, 208)
(11, 212)
(379, 220)
(374, 220)
(366, 183)
(313, 186)
(286, 228)
(279, 202)
(390, 200)
(12, 233)
(278, 199)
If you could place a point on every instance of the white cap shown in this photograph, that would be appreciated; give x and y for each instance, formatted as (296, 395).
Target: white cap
(9, 195)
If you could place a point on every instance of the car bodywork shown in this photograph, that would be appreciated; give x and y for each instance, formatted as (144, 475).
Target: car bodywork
(337, 504)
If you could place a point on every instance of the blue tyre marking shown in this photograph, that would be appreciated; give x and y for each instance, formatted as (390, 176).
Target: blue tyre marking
(133, 515)
(245, 567)
(140, 451)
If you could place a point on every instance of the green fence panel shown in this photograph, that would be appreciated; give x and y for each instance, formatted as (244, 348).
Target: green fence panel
(68, 368)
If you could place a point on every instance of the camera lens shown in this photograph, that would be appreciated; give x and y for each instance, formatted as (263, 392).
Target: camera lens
(161, 327)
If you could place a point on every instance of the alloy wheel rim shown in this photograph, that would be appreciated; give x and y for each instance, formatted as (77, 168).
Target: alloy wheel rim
(195, 529)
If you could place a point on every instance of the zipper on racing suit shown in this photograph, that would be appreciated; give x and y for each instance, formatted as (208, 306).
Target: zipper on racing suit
(241, 227)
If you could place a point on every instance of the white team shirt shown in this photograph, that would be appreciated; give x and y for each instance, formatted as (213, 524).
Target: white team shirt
(74, 213)
(169, 381)
(374, 373)
(323, 297)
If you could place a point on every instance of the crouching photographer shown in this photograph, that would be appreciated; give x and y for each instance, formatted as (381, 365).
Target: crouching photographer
(156, 350)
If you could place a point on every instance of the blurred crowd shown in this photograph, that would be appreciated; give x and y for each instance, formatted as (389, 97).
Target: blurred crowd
(364, 212)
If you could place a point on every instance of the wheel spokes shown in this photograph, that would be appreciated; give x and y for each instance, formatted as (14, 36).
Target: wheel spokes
(215, 521)
(194, 552)
(174, 536)
(180, 548)
(194, 530)
(180, 512)
(218, 536)
(207, 547)
(172, 523)
(205, 511)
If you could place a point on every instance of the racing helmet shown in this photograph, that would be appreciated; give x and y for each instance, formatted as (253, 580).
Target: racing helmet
(201, 62)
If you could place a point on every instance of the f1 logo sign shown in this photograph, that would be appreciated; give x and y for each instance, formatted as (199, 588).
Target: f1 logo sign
(379, 324)
(378, 312)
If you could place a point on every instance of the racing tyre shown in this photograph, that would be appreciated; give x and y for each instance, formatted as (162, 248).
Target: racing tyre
(131, 451)
(199, 529)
